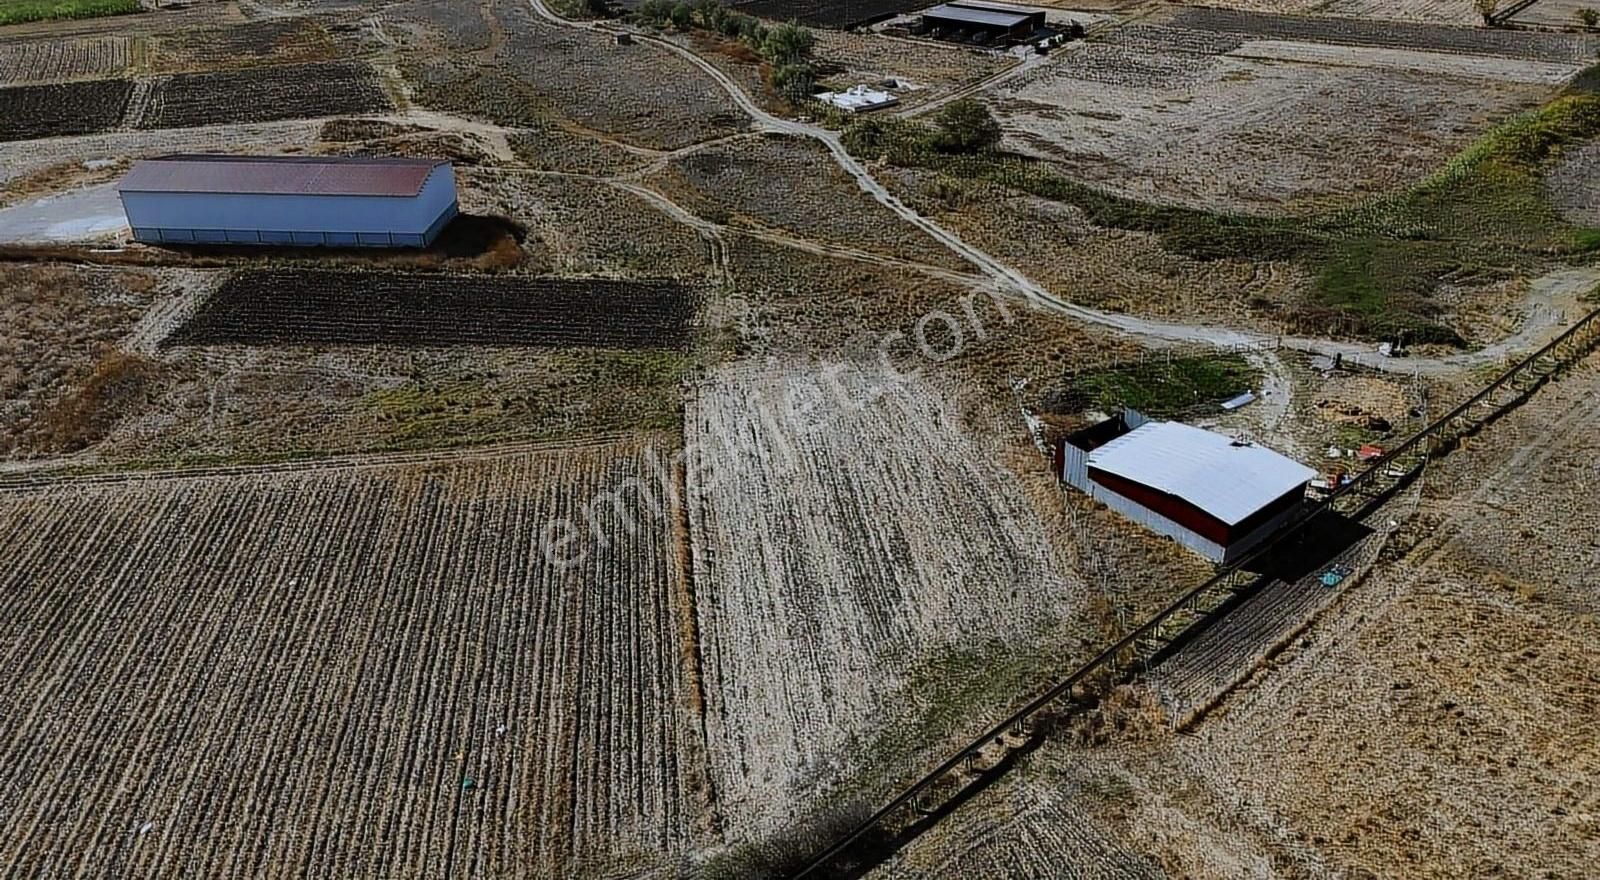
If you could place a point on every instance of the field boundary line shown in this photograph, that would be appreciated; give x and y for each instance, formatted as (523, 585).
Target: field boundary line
(48, 479)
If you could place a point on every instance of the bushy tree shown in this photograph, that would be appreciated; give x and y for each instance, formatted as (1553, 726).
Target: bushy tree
(1590, 16)
(682, 16)
(794, 82)
(655, 11)
(966, 126)
(1487, 8)
(786, 44)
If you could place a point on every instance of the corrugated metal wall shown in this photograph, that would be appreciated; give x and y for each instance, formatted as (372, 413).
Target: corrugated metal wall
(372, 221)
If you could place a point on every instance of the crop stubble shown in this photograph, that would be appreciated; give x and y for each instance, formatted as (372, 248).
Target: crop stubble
(829, 562)
(358, 671)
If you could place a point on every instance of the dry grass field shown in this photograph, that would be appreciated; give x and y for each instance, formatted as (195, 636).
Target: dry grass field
(1431, 723)
(1185, 116)
(369, 670)
(791, 184)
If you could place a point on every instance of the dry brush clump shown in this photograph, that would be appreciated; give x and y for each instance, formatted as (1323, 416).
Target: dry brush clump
(363, 670)
(61, 380)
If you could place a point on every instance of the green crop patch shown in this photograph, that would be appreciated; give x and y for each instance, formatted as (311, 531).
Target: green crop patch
(19, 11)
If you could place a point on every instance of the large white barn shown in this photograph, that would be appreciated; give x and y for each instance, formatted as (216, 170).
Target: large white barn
(1217, 496)
(289, 200)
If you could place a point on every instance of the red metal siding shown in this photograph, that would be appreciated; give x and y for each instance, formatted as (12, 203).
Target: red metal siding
(1176, 509)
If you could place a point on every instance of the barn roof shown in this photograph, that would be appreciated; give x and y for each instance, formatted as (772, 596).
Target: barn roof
(281, 175)
(984, 15)
(1224, 478)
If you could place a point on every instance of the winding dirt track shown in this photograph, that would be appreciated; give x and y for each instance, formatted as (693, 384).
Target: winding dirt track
(999, 277)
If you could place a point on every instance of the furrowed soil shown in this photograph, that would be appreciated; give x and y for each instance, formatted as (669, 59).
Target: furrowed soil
(858, 560)
(359, 671)
(59, 60)
(310, 307)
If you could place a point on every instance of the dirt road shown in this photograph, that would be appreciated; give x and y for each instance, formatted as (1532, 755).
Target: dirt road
(999, 277)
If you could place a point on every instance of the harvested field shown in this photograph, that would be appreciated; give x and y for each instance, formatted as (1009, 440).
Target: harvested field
(1574, 184)
(345, 671)
(29, 112)
(24, 158)
(1554, 13)
(68, 58)
(836, 14)
(271, 41)
(312, 307)
(1221, 132)
(263, 94)
(792, 184)
(845, 544)
(1527, 45)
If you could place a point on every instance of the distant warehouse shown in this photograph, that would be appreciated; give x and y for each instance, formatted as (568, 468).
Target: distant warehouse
(1217, 496)
(289, 200)
(981, 23)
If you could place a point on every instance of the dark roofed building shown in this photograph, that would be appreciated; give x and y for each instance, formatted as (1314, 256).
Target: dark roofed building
(982, 23)
(289, 200)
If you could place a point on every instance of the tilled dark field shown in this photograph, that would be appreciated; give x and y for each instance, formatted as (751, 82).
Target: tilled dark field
(1393, 35)
(28, 112)
(263, 94)
(839, 14)
(384, 308)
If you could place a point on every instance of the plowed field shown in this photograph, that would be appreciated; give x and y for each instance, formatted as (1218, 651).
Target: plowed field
(362, 671)
(355, 308)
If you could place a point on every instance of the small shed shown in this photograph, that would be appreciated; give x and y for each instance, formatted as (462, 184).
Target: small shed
(1218, 496)
(289, 200)
(858, 99)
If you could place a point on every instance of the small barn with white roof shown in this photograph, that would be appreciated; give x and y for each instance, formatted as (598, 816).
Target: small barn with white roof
(1218, 496)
